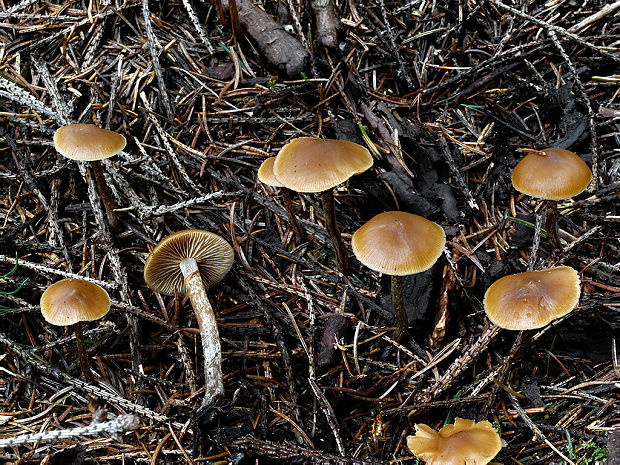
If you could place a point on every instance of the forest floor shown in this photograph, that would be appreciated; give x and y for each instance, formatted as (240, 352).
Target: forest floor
(444, 95)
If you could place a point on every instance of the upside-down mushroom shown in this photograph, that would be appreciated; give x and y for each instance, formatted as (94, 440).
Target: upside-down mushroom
(188, 262)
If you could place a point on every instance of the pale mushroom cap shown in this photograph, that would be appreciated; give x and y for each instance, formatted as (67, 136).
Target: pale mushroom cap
(212, 253)
(559, 174)
(463, 443)
(265, 173)
(308, 164)
(69, 301)
(398, 243)
(532, 299)
(87, 142)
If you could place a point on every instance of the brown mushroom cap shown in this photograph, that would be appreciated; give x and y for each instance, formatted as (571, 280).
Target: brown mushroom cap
(532, 299)
(87, 142)
(212, 253)
(551, 174)
(265, 173)
(464, 442)
(308, 164)
(69, 301)
(398, 243)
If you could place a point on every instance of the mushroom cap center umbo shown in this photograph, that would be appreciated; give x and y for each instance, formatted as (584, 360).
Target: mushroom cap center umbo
(214, 258)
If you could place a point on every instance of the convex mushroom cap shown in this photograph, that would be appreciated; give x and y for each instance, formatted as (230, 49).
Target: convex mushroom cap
(70, 301)
(464, 442)
(309, 164)
(551, 174)
(532, 299)
(398, 243)
(265, 173)
(87, 142)
(212, 253)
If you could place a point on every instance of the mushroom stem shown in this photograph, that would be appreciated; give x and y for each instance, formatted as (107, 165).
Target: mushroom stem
(551, 223)
(290, 211)
(78, 329)
(212, 351)
(327, 197)
(106, 197)
(524, 344)
(402, 322)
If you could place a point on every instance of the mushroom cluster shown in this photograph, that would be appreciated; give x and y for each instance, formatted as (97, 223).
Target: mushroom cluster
(312, 165)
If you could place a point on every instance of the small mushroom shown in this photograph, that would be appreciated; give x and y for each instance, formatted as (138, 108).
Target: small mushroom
(398, 244)
(311, 165)
(70, 302)
(551, 174)
(188, 262)
(87, 142)
(532, 299)
(266, 176)
(463, 443)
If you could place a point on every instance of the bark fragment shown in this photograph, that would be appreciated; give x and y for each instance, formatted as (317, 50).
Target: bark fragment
(280, 48)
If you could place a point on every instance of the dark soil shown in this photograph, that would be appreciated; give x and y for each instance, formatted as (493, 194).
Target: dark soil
(443, 94)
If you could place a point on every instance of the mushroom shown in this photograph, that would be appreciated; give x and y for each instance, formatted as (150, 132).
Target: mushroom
(87, 142)
(188, 262)
(463, 443)
(532, 299)
(310, 165)
(266, 176)
(70, 302)
(398, 244)
(551, 174)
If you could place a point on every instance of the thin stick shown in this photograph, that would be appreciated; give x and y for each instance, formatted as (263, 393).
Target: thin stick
(536, 242)
(556, 29)
(151, 41)
(121, 424)
(535, 429)
(104, 192)
(290, 211)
